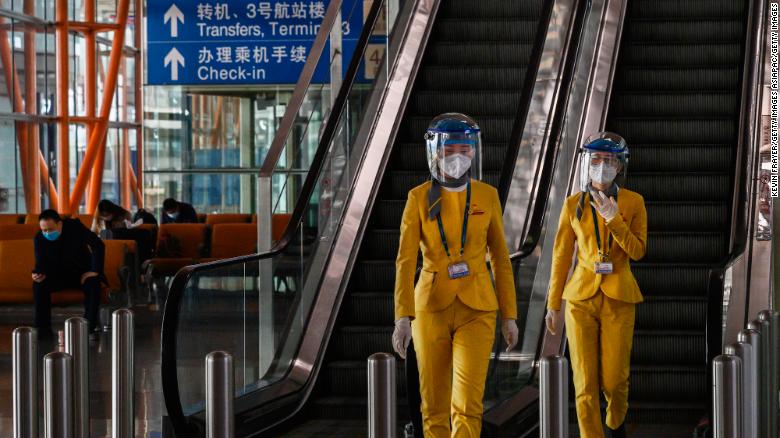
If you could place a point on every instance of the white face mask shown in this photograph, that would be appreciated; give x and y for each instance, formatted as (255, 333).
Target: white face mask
(602, 173)
(455, 165)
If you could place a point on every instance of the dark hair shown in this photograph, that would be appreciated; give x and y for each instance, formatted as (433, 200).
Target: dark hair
(106, 206)
(49, 214)
(170, 204)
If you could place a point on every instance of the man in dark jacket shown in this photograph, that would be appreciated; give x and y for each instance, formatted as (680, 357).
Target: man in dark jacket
(67, 256)
(175, 212)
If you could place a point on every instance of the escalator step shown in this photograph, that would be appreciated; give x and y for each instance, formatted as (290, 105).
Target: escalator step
(672, 279)
(356, 343)
(673, 313)
(486, 30)
(373, 275)
(688, 9)
(349, 378)
(496, 53)
(493, 129)
(654, 54)
(694, 247)
(682, 187)
(674, 130)
(662, 347)
(686, 216)
(685, 30)
(654, 104)
(469, 9)
(473, 103)
(660, 383)
(402, 181)
(725, 78)
(472, 77)
(680, 158)
(412, 156)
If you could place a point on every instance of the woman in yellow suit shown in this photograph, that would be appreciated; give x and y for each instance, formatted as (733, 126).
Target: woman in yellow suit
(609, 225)
(451, 312)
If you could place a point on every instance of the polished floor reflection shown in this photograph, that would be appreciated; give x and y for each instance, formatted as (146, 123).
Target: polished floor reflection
(149, 406)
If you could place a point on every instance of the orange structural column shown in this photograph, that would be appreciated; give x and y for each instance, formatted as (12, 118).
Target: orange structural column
(32, 191)
(90, 91)
(63, 109)
(139, 103)
(98, 136)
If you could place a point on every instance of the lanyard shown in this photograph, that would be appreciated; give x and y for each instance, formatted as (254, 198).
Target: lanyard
(465, 225)
(605, 254)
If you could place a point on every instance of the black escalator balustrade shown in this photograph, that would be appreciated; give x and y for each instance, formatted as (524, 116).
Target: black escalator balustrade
(675, 100)
(475, 63)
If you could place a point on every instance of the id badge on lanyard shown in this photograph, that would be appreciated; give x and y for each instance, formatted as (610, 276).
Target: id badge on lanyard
(458, 269)
(604, 265)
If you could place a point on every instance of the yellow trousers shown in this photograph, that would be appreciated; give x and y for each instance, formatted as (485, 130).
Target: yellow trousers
(453, 353)
(600, 331)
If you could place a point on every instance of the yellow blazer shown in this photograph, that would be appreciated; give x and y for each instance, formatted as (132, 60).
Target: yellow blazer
(629, 231)
(435, 290)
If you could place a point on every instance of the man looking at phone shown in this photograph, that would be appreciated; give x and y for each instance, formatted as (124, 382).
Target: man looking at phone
(67, 256)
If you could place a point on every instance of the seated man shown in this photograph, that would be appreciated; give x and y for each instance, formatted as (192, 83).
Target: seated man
(175, 212)
(67, 256)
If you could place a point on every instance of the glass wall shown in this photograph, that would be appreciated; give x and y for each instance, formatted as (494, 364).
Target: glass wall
(29, 130)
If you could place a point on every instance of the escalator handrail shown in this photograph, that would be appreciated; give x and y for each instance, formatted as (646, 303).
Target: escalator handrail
(168, 366)
(741, 217)
(547, 159)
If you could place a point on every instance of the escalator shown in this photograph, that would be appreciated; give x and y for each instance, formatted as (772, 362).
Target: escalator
(676, 100)
(476, 62)
(298, 327)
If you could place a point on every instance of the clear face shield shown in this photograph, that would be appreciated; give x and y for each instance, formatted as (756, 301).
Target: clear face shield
(603, 160)
(454, 151)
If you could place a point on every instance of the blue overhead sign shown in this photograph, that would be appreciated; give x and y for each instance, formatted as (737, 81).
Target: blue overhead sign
(213, 42)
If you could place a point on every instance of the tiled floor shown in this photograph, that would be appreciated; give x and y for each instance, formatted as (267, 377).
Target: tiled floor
(149, 407)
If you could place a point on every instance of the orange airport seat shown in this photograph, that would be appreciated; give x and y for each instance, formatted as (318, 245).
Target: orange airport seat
(178, 245)
(116, 266)
(19, 231)
(86, 219)
(233, 240)
(31, 218)
(201, 217)
(17, 259)
(11, 219)
(278, 224)
(228, 218)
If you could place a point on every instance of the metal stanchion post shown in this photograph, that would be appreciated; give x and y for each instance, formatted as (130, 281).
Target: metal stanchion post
(752, 338)
(58, 395)
(727, 396)
(381, 396)
(763, 379)
(25, 382)
(219, 395)
(744, 352)
(554, 397)
(122, 388)
(76, 339)
(772, 344)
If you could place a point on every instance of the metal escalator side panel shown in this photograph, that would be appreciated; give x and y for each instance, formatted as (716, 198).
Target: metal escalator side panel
(377, 133)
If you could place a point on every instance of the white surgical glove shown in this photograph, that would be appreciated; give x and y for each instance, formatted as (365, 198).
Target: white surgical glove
(402, 335)
(607, 207)
(549, 320)
(510, 333)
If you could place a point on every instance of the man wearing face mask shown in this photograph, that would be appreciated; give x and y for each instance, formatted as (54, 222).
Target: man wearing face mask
(609, 225)
(451, 312)
(175, 212)
(67, 255)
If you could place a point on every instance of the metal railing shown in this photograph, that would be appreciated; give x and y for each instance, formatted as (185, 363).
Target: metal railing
(66, 381)
(745, 382)
(382, 418)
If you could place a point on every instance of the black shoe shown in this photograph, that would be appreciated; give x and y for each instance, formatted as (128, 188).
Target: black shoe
(620, 432)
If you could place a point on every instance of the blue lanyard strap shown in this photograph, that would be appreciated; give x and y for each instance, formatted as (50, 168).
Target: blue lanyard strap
(598, 234)
(465, 225)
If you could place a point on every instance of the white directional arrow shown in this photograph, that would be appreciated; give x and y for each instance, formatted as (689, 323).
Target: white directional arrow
(174, 15)
(174, 58)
